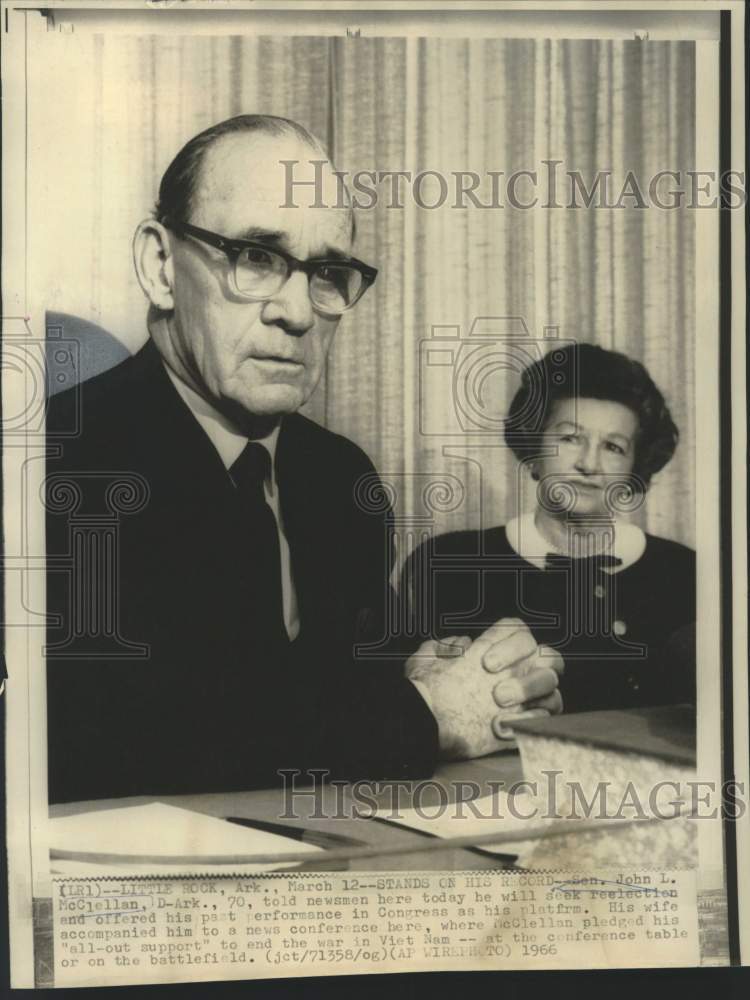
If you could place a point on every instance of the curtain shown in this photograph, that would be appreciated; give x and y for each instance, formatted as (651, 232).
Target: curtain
(506, 281)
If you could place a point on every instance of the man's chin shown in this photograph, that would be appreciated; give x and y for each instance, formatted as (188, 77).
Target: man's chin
(273, 401)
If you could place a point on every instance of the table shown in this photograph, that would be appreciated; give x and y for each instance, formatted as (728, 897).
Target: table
(269, 805)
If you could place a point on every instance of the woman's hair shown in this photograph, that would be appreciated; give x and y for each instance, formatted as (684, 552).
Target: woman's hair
(587, 371)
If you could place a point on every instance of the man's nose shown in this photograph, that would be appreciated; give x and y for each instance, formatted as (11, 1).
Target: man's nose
(291, 307)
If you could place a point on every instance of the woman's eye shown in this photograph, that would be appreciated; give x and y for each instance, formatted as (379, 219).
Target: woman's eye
(616, 448)
(568, 437)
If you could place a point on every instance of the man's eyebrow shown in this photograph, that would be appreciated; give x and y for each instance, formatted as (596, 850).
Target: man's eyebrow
(276, 238)
(259, 235)
(331, 253)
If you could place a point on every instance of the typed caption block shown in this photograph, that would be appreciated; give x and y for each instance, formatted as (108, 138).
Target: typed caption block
(108, 931)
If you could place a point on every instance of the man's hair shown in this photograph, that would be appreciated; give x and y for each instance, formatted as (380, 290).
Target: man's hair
(181, 179)
(587, 371)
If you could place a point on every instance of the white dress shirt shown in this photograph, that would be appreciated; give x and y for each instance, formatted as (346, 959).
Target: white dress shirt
(229, 443)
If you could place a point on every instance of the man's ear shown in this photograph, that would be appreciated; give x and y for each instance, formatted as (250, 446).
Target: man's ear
(153, 263)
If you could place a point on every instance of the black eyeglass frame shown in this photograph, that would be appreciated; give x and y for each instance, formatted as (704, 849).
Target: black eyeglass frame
(233, 247)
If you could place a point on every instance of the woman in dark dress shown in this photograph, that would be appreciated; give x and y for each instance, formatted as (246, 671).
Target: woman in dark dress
(591, 428)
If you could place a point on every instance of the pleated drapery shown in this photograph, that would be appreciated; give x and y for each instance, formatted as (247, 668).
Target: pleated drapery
(620, 277)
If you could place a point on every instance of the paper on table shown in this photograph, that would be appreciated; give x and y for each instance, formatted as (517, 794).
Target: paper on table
(147, 836)
(479, 817)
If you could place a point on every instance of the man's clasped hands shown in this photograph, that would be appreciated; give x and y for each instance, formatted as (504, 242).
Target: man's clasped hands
(474, 689)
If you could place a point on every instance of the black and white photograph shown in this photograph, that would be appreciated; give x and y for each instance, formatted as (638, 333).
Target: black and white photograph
(374, 466)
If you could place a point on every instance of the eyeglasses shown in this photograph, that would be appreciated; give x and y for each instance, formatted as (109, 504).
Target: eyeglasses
(258, 273)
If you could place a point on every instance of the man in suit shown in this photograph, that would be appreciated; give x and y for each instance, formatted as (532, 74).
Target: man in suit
(245, 578)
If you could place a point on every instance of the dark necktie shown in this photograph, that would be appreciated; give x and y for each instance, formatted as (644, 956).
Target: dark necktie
(249, 473)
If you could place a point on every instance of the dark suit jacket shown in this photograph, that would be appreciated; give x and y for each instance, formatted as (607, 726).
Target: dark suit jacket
(218, 701)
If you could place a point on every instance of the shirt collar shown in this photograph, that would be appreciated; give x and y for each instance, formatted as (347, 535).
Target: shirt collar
(528, 542)
(228, 440)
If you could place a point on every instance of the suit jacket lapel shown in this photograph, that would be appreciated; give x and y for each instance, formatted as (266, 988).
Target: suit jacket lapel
(194, 481)
(196, 520)
(181, 448)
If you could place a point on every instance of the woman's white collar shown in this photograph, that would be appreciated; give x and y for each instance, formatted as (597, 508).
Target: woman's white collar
(528, 542)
